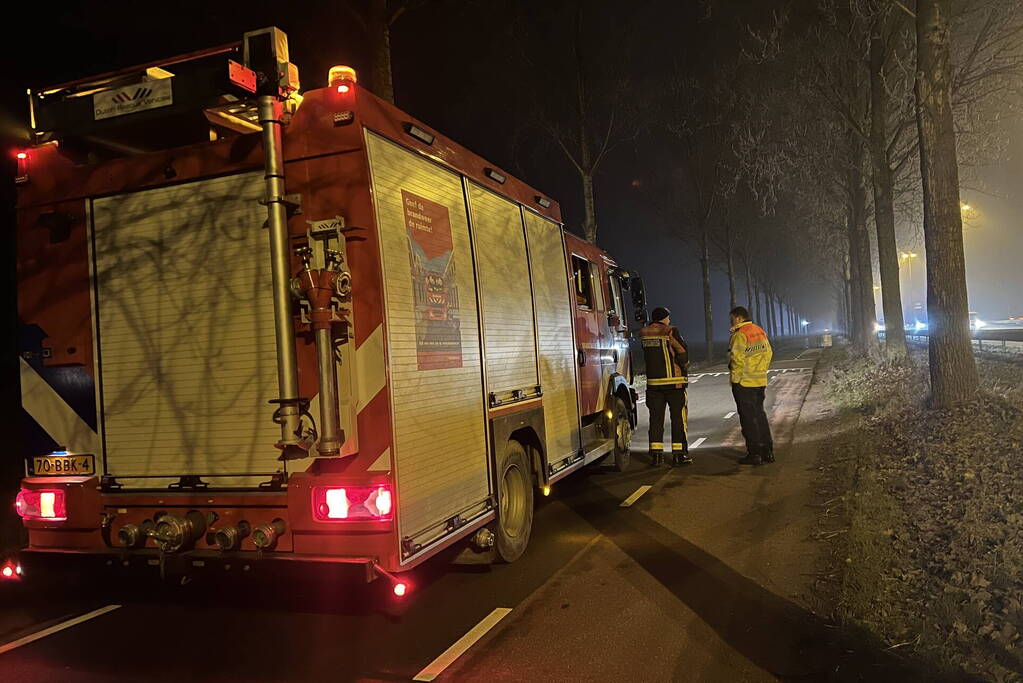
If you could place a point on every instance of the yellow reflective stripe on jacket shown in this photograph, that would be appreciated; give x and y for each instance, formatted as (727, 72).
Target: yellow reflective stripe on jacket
(750, 355)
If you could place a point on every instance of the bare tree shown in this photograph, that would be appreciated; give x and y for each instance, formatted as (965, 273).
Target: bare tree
(375, 18)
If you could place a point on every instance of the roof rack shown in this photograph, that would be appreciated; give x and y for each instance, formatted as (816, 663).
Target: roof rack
(158, 105)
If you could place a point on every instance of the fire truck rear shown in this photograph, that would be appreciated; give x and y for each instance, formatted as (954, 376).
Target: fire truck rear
(261, 327)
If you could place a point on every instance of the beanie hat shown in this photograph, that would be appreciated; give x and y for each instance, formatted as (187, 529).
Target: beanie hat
(659, 314)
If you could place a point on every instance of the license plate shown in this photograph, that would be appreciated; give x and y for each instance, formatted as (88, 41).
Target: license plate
(63, 465)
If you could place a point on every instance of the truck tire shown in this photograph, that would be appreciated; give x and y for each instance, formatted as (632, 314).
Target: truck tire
(622, 428)
(514, 502)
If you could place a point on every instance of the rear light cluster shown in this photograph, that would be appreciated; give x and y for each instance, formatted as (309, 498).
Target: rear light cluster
(352, 503)
(49, 504)
(10, 570)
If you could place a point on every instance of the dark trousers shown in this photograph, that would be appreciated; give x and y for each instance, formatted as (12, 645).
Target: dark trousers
(749, 403)
(674, 398)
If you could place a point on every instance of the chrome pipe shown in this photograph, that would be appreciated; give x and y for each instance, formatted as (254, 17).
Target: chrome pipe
(330, 422)
(270, 109)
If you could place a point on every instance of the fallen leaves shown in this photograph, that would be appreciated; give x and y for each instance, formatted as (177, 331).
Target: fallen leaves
(953, 578)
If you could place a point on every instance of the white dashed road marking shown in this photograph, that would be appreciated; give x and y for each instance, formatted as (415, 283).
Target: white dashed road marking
(635, 496)
(728, 416)
(7, 647)
(698, 441)
(447, 658)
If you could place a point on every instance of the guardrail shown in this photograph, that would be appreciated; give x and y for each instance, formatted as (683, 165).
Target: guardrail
(999, 341)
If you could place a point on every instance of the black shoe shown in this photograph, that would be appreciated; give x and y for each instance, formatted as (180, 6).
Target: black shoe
(768, 457)
(680, 458)
(656, 459)
(751, 460)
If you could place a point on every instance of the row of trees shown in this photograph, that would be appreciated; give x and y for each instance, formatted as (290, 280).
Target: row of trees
(835, 124)
(800, 151)
(890, 90)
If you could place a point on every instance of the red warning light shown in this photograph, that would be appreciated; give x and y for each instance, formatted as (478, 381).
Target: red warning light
(343, 88)
(400, 589)
(22, 155)
(8, 571)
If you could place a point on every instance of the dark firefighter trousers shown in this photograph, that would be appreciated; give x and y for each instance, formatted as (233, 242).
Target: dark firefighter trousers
(674, 398)
(756, 430)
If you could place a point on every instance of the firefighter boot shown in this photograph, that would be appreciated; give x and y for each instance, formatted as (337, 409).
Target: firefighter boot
(656, 459)
(768, 456)
(751, 459)
(680, 458)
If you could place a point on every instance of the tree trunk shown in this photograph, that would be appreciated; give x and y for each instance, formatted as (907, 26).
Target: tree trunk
(589, 208)
(952, 365)
(730, 267)
(708, 318)
(378, 27)
(863, 284)
(755, 305)
(749, 284)
(855, 311)
(843, 305)
(884, 206)
(585, 155)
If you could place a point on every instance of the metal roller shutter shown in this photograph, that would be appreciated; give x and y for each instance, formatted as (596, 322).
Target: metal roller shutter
(433, 346)
(185, 322)
(509, 338)
(554, 326)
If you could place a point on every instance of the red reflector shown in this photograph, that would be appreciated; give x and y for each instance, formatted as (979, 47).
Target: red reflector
(46, 504)
(352, 503)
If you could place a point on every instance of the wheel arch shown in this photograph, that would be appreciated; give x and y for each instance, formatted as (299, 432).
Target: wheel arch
(526, 427)
(619, 387)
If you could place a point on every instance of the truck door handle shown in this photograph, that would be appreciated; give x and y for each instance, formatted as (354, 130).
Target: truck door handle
(582, 357)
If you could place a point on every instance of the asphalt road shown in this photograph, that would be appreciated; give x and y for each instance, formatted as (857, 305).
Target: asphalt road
(669, 587)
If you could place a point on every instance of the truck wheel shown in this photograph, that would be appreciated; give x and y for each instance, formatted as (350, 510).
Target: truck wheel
(514, 502)
(622, 434)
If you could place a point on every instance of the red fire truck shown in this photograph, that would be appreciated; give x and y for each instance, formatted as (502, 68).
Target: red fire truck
(231, 351)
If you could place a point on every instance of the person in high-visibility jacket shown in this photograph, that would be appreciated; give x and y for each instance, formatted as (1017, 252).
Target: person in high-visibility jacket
(749, 357)
(667, 374)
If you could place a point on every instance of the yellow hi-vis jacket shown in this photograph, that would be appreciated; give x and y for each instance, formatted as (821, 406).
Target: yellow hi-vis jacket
(749, 355)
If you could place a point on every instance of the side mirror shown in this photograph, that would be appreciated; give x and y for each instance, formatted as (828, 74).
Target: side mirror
(638, 298)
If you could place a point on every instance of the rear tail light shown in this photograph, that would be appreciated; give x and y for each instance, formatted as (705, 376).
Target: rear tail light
(352, 503)
(10, 570)
(47, 504)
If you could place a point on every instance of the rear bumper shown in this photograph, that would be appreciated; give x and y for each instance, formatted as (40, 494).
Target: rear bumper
(143, 562)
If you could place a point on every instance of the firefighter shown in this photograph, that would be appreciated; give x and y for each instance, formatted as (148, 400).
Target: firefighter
(667, 369)
(749, 356)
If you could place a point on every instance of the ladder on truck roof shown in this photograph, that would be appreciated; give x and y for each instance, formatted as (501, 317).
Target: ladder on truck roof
(196, 97)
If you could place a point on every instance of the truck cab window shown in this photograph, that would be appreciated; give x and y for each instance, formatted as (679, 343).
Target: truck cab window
(614, 285)
(583, 282)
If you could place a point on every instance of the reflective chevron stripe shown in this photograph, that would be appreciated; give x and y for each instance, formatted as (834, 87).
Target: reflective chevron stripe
(54, 415)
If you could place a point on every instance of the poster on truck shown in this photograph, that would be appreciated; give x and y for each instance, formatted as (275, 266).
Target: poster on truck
(432, 265)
